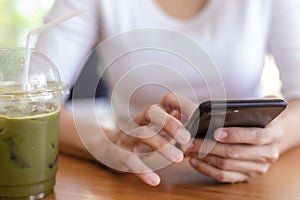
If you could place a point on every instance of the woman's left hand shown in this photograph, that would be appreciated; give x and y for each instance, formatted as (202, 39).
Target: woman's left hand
(239, 154)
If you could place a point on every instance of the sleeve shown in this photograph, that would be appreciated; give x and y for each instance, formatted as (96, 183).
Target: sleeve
(69, 44)
(285, 44)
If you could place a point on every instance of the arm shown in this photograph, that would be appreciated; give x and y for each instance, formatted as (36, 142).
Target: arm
(285, 46)
(69, 140)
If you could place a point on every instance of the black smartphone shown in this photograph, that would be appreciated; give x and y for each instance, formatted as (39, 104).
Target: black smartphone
(211, 115)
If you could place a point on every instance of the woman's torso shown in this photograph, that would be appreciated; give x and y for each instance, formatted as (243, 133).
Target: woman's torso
(233, 33)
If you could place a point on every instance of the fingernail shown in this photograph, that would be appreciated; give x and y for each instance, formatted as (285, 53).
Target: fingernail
(221, 135)
(154, 179)
(177, 157)
(184, 136)
(202, 155)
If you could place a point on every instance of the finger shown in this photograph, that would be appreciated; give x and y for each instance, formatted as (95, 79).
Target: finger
(219, 174)
(179, 103)
(253, 136)
(172, 126)
(157, 142)
(141, 148)
(142, 171)
(201, 147)
(264, 153)
(176, 114)
(245, 167)
(164, 147)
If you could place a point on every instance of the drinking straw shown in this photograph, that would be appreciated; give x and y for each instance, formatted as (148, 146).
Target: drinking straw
(30, 40)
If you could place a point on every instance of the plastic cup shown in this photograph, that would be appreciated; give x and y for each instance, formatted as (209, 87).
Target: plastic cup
(29, 124)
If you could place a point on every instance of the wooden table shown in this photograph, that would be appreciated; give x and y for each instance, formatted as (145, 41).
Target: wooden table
(82, 180)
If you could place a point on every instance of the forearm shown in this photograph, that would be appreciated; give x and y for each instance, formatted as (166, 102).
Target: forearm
(70, 141)
(289, 122)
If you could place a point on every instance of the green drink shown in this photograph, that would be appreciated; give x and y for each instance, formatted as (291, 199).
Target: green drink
(28, 155)
(29, 125)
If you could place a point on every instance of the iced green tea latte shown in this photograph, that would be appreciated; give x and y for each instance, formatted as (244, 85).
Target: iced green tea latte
(29, 128)
(31, 94)
(28, 155)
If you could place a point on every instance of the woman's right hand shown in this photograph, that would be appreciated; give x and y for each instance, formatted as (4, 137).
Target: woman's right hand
(166, 116)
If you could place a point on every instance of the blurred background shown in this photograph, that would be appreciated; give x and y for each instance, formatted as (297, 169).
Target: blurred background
(18, 17)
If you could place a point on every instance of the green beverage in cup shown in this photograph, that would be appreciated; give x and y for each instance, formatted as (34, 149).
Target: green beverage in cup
(29, 125)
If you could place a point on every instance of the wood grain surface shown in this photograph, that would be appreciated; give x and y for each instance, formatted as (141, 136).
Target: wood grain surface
(83, 180)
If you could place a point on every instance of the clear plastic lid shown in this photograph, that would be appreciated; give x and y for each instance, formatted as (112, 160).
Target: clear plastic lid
(24, 71)
(30, 84)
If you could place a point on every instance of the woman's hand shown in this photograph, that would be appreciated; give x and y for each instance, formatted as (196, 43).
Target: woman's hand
(239, 154)
(165, 116)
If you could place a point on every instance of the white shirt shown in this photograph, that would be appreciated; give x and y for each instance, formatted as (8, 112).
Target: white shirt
(236, 34)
